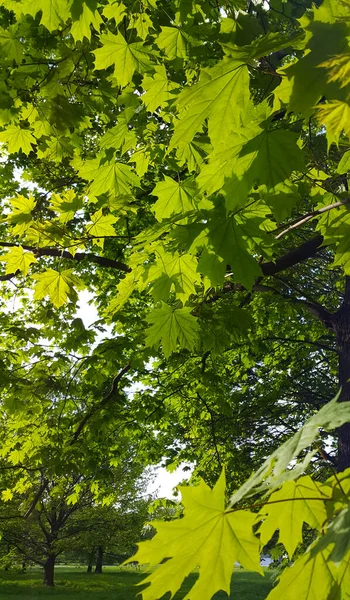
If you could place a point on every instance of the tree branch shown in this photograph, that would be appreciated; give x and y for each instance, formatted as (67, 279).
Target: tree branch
(294, 257)
(301, 220)
(100, 405)
(79, 256)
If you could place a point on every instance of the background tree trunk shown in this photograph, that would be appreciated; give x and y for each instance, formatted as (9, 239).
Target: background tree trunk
(90, 561)
(341, 324)
(49, 569)
(99, 560)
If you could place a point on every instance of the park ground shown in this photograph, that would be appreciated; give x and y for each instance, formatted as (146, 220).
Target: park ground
(119, 584)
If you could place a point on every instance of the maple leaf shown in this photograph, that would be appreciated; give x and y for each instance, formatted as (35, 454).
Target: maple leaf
(82, 23)
(227, 238)
(125, 288)
(180, 271)
(173, 41)
(111, 177)
(102, 224)
(21, 214)
(221, 95)
(335, 115)
(310, 578)
(289, 516)
(207, 537)
(57, 285)
(173, 197)
(17, 139)
(126, 58)
(18, 260)
(12, 47)
(66, 205)
(158, 89)
(338, 68)
(267, 159)
(6, 495)
(172, 326)
(54, 13)
(344, 163)
(114, 10)
(337, 535)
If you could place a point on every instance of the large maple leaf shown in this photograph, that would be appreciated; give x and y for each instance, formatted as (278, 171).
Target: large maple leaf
(207, 537)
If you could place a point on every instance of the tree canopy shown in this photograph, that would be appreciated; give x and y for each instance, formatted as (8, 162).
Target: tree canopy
(186, 164)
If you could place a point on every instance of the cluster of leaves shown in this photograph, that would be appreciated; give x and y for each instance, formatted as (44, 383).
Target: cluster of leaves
(212, 538)
(119, 107)
(166, 156)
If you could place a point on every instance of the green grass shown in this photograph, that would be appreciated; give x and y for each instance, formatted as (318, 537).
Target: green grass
(73, 583)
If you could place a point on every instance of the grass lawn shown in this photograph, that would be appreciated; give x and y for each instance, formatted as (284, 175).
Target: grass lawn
(75, 584)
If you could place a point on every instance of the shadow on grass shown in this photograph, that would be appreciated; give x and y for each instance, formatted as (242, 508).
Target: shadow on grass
(119, 585)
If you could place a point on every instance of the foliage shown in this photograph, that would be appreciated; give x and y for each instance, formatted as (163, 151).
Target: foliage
(212, 538)
(186, 164)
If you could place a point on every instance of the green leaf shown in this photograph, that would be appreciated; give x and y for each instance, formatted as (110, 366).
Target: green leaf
(114, 10)
(102, 225)
(181, 271)
(267, 160)
(10, 43)
(173, 197)
(21, 214)
(207, 538)
(173, 41)
(82, 27)
(58, 286)
(288, 508)
(126, 58)
(158, 89)
(66, 205)
(274, 471)
(17, 139)
(344, 164)
(54, 13)
(308, 579)
(227, 239)
(221, 96)
(172, 326)
(337, 535)
(18, 260)
(6, 495)
(335, 116)
(108, 177)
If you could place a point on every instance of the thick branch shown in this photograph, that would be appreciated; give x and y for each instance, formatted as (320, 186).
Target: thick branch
(294, 257)
(79, 256)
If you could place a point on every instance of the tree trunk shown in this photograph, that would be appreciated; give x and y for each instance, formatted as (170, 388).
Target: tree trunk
(341, 323)
(99, 560)
(90, 562)
(49, 569)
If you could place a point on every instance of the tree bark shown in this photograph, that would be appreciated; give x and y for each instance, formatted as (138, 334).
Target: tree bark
(49, 569)
(90, 562)
(99, 560)
(341, 324)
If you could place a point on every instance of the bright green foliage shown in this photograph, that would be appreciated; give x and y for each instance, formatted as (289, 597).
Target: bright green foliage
(102, 225)
(186, 542)
(172, 198)
(204, 537)
(171, 326)
(18, 260)
(187, 164)
(289, 508)
(126, 58)
(57, 285)
(17, 139)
